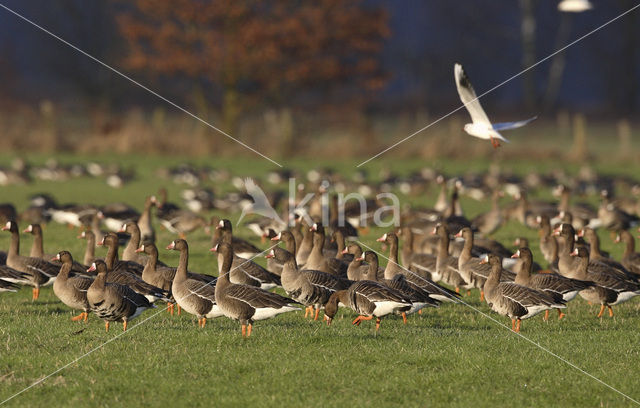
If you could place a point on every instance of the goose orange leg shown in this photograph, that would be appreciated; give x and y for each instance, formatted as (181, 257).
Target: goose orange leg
(610, 311)
(78, 317)
(124, 326)
(106, 326)
(204, 322)
(317, 312)
(35, 294)
(601, 310)
(359, 319)
(513, 324)
(560, 314)
(482, 295)
(404, 319)
(179, 310)
(244, 330)
(249, 329)
(306, 311)
(518, 326)
(546, 315)
(378, 324)
(170, 308)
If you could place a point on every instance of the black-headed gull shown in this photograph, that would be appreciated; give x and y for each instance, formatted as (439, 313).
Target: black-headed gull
(481, 126)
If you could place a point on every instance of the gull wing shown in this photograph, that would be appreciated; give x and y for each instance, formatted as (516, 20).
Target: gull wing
(512, 125)
(468, 96)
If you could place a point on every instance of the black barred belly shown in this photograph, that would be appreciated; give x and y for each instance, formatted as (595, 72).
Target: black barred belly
(110, 312)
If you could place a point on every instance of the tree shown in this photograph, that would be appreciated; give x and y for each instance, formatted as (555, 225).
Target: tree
(252, 51)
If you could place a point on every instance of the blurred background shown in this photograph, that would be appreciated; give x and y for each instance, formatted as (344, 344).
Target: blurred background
(327, 78)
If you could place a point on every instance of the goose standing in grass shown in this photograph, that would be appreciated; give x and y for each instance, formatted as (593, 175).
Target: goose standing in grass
(193, 295)
(513, 300)
(397, 281)
(246, 303)
(40, 272)
(72, 290)
(241, 247)
(608, 289)
(481, 126)
(113, 302)
(368, 299)
(309, 287)
(557, 286)
(147, 232)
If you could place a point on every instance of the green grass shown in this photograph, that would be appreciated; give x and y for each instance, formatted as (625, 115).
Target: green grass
(451, 356)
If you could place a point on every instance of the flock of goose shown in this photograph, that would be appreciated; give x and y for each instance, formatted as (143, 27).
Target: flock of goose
(324, 267)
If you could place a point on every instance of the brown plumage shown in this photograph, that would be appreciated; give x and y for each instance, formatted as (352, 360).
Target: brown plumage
(246, 303)
(113, 302)
(72, 290)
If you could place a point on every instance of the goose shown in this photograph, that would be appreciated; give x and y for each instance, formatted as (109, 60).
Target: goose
(630, 258)
(309, 287)
(548, 243)
(245, 271)
(37, 250)
(595, 254)
(521, 242)
(273, 263)
(72, 290)
(113, 302)
(40, 272)
(89, 252)
(356, 269)
(322, 260)
(305, 246)
(397, 281)
(446, 265)
(147, 232)
(474, 272)
(130, 253)
(513, 300)
(121, 272)
(557, 286)
(368, 299)
(246, 303)
(241, 247)
(608, 289)
(193, 295)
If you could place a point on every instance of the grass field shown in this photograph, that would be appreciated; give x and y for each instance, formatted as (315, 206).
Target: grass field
(451, 356)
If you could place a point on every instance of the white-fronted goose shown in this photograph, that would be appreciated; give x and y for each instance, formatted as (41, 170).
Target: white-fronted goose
(193, 295)
(522, 242)
(356, 269)
(246, 303)
(557, 286)
(630, 258)
(241, 247)
(130, 253)
(446, 265)
(368, 299)
(273, 264)
(113, 263)
(113, 302)
(310, 288)
(474, 272)
(72, 290)
(121, 272)
(90, 249)
(397, 281)
(37, 250)
(513, 300)
(147, 232)
(40, 272)
(608, 289)
(321, 260)
(245, 271)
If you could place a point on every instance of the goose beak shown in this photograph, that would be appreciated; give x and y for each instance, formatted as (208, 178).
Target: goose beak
(172, 245)
(484, 260)
(459, 234)
(55, 258)
(581, 233)
(574, 252)
(345, 251)
(270, 254)
(92, 267)
(556, 232)
(123, 228)
(360, 258)
(28, 229)
(141, 249)
(214, 249)
(7, 226)
(277, 237)
(434, 231)
(516, 255)
(81, 235)
(617, 239)
(101, 243)
(382, 238)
